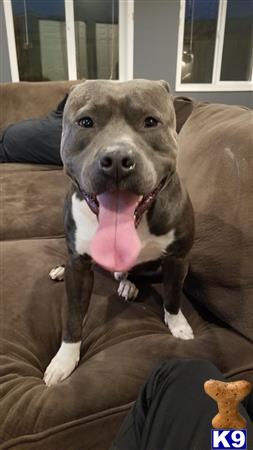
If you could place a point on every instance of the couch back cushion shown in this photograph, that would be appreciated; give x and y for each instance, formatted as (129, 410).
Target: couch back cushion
(216, 163)
(26, 100)
(183, 109)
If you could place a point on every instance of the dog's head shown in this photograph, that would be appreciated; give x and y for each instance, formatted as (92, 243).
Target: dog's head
(119, 136)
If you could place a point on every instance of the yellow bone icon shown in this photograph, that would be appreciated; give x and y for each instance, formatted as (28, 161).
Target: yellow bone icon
(228, 396)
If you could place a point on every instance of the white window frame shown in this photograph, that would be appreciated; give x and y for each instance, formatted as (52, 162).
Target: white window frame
(216, 85)
(11, 40)
(126, 39)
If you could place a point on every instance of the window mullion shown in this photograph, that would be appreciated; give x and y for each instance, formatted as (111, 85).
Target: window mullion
(70, 37)
(11, 40)
(126, 39)
(219, 42)
(180, 45)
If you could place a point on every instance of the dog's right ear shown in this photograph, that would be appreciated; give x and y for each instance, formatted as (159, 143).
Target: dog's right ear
(166, 85)
(72, 88)
(76, 84)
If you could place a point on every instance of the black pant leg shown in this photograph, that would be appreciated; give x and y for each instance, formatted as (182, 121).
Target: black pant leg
(172, 411)
(3, 157)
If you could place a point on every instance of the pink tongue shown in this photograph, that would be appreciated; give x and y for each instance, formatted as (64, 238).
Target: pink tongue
(116, 244)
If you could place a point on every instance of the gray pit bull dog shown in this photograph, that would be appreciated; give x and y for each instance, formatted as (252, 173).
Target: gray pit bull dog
(127, 206)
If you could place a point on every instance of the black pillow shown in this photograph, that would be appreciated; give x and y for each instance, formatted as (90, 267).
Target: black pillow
(34, 140)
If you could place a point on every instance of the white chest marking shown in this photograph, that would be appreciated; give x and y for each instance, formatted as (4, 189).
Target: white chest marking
(152, 246)
(86, 226)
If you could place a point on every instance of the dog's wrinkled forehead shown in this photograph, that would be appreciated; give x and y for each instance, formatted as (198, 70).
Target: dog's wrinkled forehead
(144, 95)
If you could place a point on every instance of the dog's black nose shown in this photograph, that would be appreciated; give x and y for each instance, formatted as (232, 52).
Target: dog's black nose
(117, 163)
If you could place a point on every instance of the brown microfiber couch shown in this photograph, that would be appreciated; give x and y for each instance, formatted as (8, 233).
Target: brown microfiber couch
(122, 342)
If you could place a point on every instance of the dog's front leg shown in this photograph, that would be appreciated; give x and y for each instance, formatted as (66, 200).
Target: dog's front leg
(79, 283)
(174, 273)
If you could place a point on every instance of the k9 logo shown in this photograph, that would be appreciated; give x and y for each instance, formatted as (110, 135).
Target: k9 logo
(227, 439)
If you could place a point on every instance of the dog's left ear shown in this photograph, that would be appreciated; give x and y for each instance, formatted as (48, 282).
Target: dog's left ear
(75, 84)
(166, 85)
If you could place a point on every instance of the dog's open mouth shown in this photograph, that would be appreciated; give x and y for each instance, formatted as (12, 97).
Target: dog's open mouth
(116, 243)
(143, 202)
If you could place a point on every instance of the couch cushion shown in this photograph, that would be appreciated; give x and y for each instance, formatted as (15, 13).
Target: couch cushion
(122, 342)
(32, 199)
(216, 162)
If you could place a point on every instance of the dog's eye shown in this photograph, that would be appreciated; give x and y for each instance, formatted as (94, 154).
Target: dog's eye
(150, 122)
(85, 122)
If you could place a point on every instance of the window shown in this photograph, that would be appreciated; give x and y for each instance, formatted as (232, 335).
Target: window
(238, 39)
(40, 36)
(96, 32)
(69, 39)
(215, 45)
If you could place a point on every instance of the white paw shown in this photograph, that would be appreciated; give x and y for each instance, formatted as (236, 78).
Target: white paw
(63, 364)
(127, 290)
(178, 325)
(57, 273)
(120, 276)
